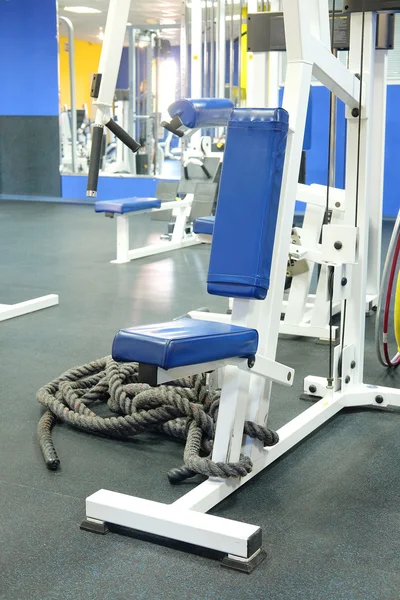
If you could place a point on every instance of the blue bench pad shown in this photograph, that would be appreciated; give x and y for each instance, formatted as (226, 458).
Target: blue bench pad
(204, 225)
(202, 112)
(126, 205)
(183, 342)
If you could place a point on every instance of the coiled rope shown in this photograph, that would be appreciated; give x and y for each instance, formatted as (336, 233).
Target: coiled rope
(184, 409)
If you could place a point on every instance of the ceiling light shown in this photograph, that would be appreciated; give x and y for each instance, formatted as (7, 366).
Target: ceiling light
(85, 10)
(100, 35)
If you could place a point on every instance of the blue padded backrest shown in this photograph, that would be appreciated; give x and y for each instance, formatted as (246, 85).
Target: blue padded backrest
(247, 209)
(202, 112)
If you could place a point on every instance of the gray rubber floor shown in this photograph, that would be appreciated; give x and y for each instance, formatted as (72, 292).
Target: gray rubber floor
(329, 509)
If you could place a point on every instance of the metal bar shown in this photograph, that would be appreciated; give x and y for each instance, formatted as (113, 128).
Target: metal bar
(221, 49)
(240, 52)
(359, 203)
(196, 31)
(183, 64)
(71, 58)
(10, 311)
(156, 94)
(166, 520)
(231, 51)
(257, 72)
(205, 53)
(378, 144)
(212, 52)
(149, 104)
(206, 495)
(132, 94)
(332, 144)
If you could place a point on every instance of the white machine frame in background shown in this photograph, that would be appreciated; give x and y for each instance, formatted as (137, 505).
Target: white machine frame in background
(246, 393)
(179, 238)
(9, 311)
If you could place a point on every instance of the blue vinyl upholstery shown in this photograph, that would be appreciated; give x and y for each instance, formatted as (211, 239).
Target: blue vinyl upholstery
(126, 205)
(247, 209)
(203, 112)
(183, 342)
(204, 225)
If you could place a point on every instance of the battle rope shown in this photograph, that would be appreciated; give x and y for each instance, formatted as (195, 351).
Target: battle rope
(183, 409)
(385, 295)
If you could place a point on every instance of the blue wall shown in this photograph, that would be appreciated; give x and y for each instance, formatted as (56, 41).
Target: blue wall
(391, 194)
(29, 105)
(317, 156)
(28, 58)
(110, 188)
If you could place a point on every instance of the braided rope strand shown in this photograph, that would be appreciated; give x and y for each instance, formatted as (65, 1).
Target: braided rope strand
(183, 409)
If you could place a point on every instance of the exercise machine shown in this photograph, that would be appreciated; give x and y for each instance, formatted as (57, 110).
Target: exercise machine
(195, 198)
(251, 269)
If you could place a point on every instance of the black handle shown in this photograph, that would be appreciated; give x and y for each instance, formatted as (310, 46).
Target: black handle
(206, 171)
(122, 135)
(95, 160)
(173, 126)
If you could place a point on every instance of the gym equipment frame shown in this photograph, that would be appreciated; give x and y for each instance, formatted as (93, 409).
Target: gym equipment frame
(344, 249)
(9, 311)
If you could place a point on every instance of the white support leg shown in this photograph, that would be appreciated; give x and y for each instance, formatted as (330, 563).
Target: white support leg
(9, 311)
(178, 234)
(169, 521)
(122, 239)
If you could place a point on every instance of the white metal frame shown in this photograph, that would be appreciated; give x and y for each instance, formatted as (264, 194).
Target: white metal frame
(9, 311)
(179, 239)
(246, 395)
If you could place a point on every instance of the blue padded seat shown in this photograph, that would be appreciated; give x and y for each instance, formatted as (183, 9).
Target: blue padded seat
(248, 202)
(126, 205)
(202, 112)
(183, 342)
(204, 225)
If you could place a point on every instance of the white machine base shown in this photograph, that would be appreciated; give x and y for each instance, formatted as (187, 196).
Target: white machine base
(180, 239)
(185, 520)
(9, 311)
(166, 246)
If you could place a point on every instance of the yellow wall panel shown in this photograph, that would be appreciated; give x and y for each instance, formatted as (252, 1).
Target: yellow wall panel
(87, 57)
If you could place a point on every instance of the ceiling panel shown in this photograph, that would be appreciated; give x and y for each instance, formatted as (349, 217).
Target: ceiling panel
(143, 12)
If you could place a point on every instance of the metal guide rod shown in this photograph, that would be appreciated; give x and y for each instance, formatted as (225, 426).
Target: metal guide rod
(156, 92)
(231, 50)
(196, 58)
(184, 63)
(240, 52)
(71, 59)
(132, 94)
(332, 140)
(221, 49)
(212, 52)
(205, 54)
(196, 31)
(149, 103)
(184, 52)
